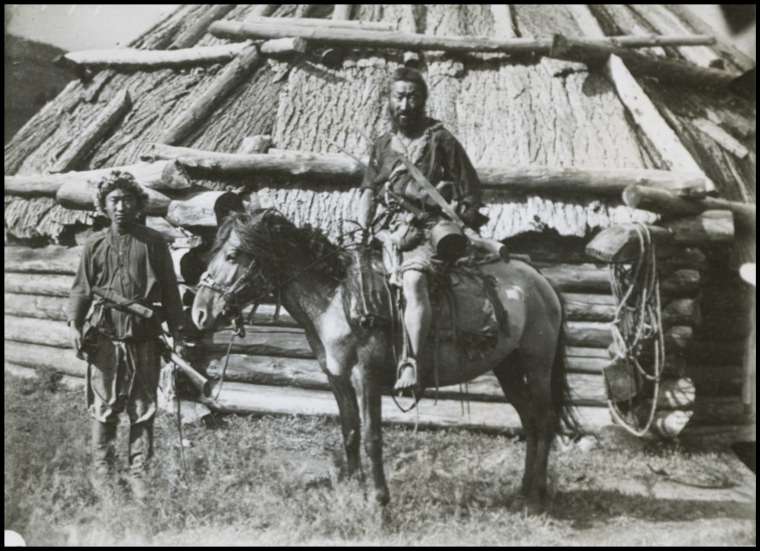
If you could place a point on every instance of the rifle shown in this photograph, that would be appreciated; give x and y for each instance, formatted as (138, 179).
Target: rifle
(169, 355)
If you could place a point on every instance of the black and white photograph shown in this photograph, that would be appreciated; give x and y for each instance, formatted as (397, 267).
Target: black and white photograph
(380, 275)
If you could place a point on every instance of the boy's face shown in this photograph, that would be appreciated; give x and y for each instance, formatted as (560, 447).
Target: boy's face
(121, 207)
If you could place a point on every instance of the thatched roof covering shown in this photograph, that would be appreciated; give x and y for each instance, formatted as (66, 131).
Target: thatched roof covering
(504, 111)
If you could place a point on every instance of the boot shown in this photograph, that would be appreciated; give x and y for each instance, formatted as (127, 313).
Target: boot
(140, 453)
(101, 473)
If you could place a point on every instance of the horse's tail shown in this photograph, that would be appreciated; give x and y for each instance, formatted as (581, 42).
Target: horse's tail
(561, 396)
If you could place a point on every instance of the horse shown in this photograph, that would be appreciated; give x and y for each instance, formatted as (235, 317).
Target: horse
(261, 252)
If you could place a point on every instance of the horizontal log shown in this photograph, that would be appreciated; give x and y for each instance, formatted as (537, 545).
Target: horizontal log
(581, 278)
(291, 342)
(62, 360)
(684, 257)
(36, 306)
(77, 194)
(206, 209)
(666, 70)
(283, 46)
(586, 307)
(229, 79)
(676, 394)
(83, 143)
(622, 242)
(36, 331)
(323, 23)
(670, 423)
(709, 227)
(55, 285)
(682, 311)
(342, 169)
(132, 57)
(357, 38)
(160, 176)
(31, 373)
(684, 282)
(263, 399)
(53, 259)
(586, 389)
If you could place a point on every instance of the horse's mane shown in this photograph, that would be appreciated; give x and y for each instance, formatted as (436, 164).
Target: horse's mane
(275, 241)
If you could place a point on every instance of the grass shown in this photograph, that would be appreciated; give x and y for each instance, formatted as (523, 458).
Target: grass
(274, 481)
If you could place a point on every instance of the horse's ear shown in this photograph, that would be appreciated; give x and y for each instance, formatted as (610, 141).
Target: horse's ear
(227, 203)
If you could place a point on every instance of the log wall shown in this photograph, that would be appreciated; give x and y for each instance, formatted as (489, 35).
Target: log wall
(273, 370)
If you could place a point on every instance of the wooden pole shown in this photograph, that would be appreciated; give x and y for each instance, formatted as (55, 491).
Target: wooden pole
(340, 168)
(642, 109)
(195, 31)
(664, 202)
(228, 80)
(161, 176)
(341, 19)
(666, 70)
(384, 39)
(333, 57)
(132, 57)
(503, 22)
(283, 47)
(84, 142)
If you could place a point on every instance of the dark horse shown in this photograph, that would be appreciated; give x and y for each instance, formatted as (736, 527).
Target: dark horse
(258, 253)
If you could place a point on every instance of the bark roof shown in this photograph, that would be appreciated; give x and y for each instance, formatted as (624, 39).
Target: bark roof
(504, 111)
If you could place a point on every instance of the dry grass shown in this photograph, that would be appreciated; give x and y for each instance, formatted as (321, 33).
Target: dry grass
(274, 481)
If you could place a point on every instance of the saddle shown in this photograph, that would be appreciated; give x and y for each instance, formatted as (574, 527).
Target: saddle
(465, 304)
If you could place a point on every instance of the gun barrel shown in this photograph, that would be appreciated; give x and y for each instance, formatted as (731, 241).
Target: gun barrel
(199, 381)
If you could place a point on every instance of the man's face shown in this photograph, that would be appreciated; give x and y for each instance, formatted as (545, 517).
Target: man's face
(121, 207)
(407, 104)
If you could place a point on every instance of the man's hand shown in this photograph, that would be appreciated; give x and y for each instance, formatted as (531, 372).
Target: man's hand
(75, 334)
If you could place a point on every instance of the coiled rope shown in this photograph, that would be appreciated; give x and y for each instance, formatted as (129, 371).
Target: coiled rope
(638, 319)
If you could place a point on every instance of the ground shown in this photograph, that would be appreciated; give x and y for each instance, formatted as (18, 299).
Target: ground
(275, 481)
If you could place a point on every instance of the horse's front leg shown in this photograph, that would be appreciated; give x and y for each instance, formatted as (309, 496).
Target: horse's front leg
(370, 404)
(349, 422)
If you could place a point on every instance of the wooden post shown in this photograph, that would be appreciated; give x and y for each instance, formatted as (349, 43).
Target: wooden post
(194, 32)
(411, 41)
(641, 108)
(83, 143)
(230, 78)
(161, 176)
(675, 72)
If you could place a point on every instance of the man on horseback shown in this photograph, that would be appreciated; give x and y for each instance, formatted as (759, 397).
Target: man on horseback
(122, 349)
(412, 213)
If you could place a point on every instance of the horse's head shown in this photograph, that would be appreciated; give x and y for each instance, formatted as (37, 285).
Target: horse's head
(233, 278)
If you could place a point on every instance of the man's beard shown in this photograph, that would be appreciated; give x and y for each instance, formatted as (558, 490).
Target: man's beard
(410, 123)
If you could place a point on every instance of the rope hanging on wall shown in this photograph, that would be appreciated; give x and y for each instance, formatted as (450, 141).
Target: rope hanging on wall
(636, 328)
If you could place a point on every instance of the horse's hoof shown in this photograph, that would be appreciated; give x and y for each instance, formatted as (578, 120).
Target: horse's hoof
(382, 497)
(534, 507)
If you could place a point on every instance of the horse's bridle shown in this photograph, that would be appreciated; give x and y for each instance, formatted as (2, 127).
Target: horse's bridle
(229, 294)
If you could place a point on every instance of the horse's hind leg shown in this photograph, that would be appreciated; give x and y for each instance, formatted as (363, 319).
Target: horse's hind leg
(510, 375)
(348, 409)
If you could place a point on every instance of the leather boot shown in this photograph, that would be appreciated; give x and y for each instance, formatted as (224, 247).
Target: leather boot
(103, 452)
(140, 453)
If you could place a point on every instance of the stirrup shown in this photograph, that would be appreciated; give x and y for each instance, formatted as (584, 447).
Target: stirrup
(403, 364)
